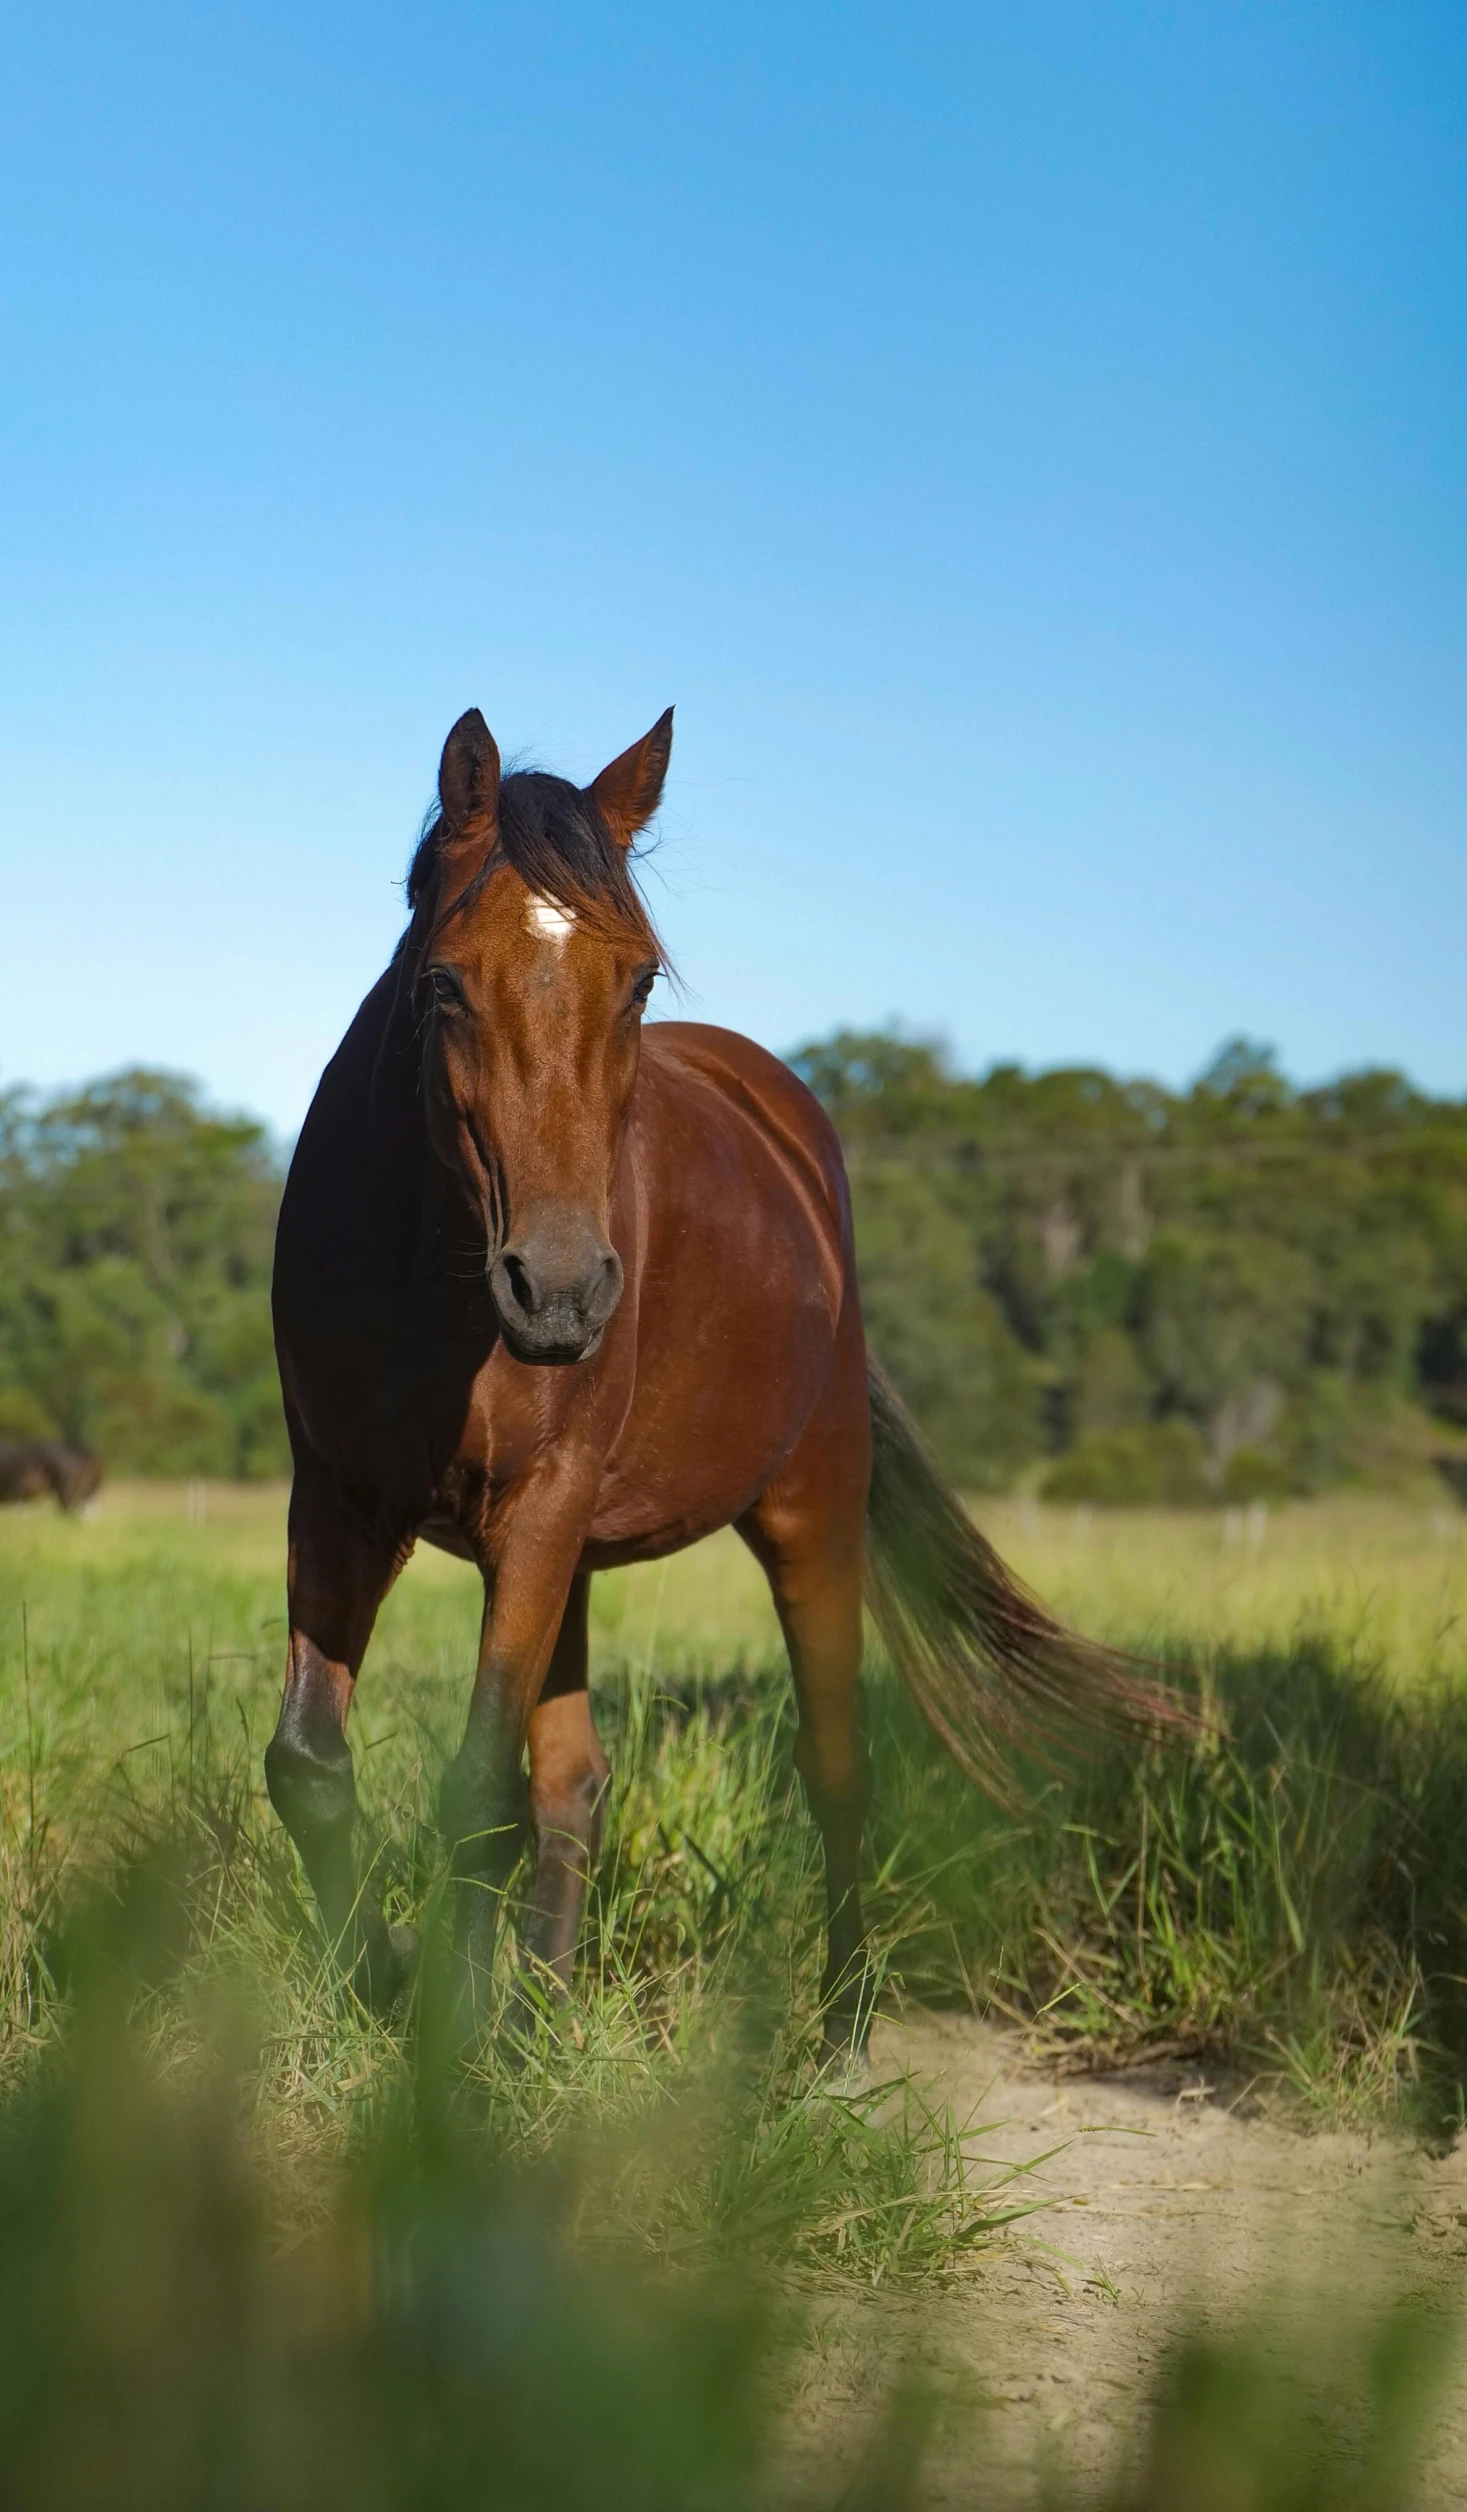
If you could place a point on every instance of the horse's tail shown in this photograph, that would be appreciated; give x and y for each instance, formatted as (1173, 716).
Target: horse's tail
(987, 1664)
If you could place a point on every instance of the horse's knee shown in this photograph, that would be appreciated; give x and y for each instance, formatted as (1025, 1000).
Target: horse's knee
(309, 1778)
(568, 1807)
(568, 1775)
(835, 1772)
(481, 1813)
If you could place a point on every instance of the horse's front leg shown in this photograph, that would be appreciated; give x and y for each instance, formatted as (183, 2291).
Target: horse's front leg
(337, 1578)
(568, 1783)
(484, 1803)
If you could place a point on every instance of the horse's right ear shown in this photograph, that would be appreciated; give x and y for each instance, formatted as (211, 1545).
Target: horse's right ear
(468, 773)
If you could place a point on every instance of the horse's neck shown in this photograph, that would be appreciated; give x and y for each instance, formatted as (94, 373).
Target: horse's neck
(426, 1229)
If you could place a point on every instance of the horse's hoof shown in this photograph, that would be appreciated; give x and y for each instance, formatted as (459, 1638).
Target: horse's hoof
(386, 1969)
(845, 2066)
(403, 1949)
(462, 2004)
(530, 2022)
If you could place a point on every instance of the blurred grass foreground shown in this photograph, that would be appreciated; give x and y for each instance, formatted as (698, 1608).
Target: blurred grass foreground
(443, 2328)
(442, 2333)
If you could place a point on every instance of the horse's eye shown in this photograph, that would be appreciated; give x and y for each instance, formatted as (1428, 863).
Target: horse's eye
(644, 985)
(441, 990)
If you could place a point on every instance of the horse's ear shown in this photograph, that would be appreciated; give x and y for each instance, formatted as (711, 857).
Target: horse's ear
(628, 792)
(468, 772)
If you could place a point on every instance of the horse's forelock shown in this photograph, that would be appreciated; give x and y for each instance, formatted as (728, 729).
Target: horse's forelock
(553, 836)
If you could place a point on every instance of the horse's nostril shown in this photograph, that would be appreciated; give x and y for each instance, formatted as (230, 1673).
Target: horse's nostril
(518, 1284)
(554, 1295)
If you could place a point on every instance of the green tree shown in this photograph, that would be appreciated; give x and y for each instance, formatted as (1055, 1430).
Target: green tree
(1277, 1274)
(942, 1336)
(135, 1238)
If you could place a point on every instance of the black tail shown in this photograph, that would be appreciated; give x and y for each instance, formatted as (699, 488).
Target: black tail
(987, 1664)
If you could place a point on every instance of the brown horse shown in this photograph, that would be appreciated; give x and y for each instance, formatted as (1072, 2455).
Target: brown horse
(557, 1293)
(29, 1468)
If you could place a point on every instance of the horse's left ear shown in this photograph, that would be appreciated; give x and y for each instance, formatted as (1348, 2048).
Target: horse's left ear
(628, 792)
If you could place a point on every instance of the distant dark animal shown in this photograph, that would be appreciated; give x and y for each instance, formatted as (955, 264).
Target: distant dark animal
(558, 1293)
(29, 1468)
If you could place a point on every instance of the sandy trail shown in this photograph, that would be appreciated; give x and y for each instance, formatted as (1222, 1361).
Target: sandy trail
(1171, 2196)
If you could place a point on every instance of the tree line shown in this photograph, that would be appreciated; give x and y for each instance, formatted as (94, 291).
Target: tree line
(1231, 1292)
(1117, 1291)
(135, 1234)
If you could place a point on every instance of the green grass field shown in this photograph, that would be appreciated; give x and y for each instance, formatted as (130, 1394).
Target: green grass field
(1289, 1894)
(140, 1659)
(164, 1573)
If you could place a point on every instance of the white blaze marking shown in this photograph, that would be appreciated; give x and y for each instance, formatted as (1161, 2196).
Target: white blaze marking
(549, 922)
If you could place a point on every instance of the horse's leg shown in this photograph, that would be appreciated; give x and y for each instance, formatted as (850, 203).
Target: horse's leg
(808, 1532)
(568, 1776)
(336, 1581)
(483, 1805)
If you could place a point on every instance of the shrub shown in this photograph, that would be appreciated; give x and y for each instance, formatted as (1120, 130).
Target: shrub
(1161, 1466)
(21, 1417)
(1253, 1474)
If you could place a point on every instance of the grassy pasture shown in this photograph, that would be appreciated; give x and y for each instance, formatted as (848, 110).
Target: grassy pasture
(1291, 1896)
(1236, 1899)
(1381, 1581)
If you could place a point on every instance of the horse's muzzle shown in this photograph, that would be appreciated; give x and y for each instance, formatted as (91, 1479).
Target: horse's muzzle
(555, 1290)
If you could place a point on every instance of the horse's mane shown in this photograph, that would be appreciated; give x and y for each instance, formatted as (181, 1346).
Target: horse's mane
(553, 836)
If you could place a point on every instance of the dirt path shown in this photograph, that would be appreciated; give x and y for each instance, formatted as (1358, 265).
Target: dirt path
(1169, 2198)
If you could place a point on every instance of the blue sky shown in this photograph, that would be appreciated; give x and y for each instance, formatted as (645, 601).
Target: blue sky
(1028, 444)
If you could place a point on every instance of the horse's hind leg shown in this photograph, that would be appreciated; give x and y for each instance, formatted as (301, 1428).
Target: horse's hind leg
(336, 1580)
(808, 1532)
(819, 1605)
(568, 1777)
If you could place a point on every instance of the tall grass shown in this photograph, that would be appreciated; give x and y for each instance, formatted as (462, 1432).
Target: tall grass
(694, 2007)
(1287, 1897)
(1289, 1894)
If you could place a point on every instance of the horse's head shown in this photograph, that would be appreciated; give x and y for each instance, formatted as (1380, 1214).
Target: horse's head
(530, 960)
